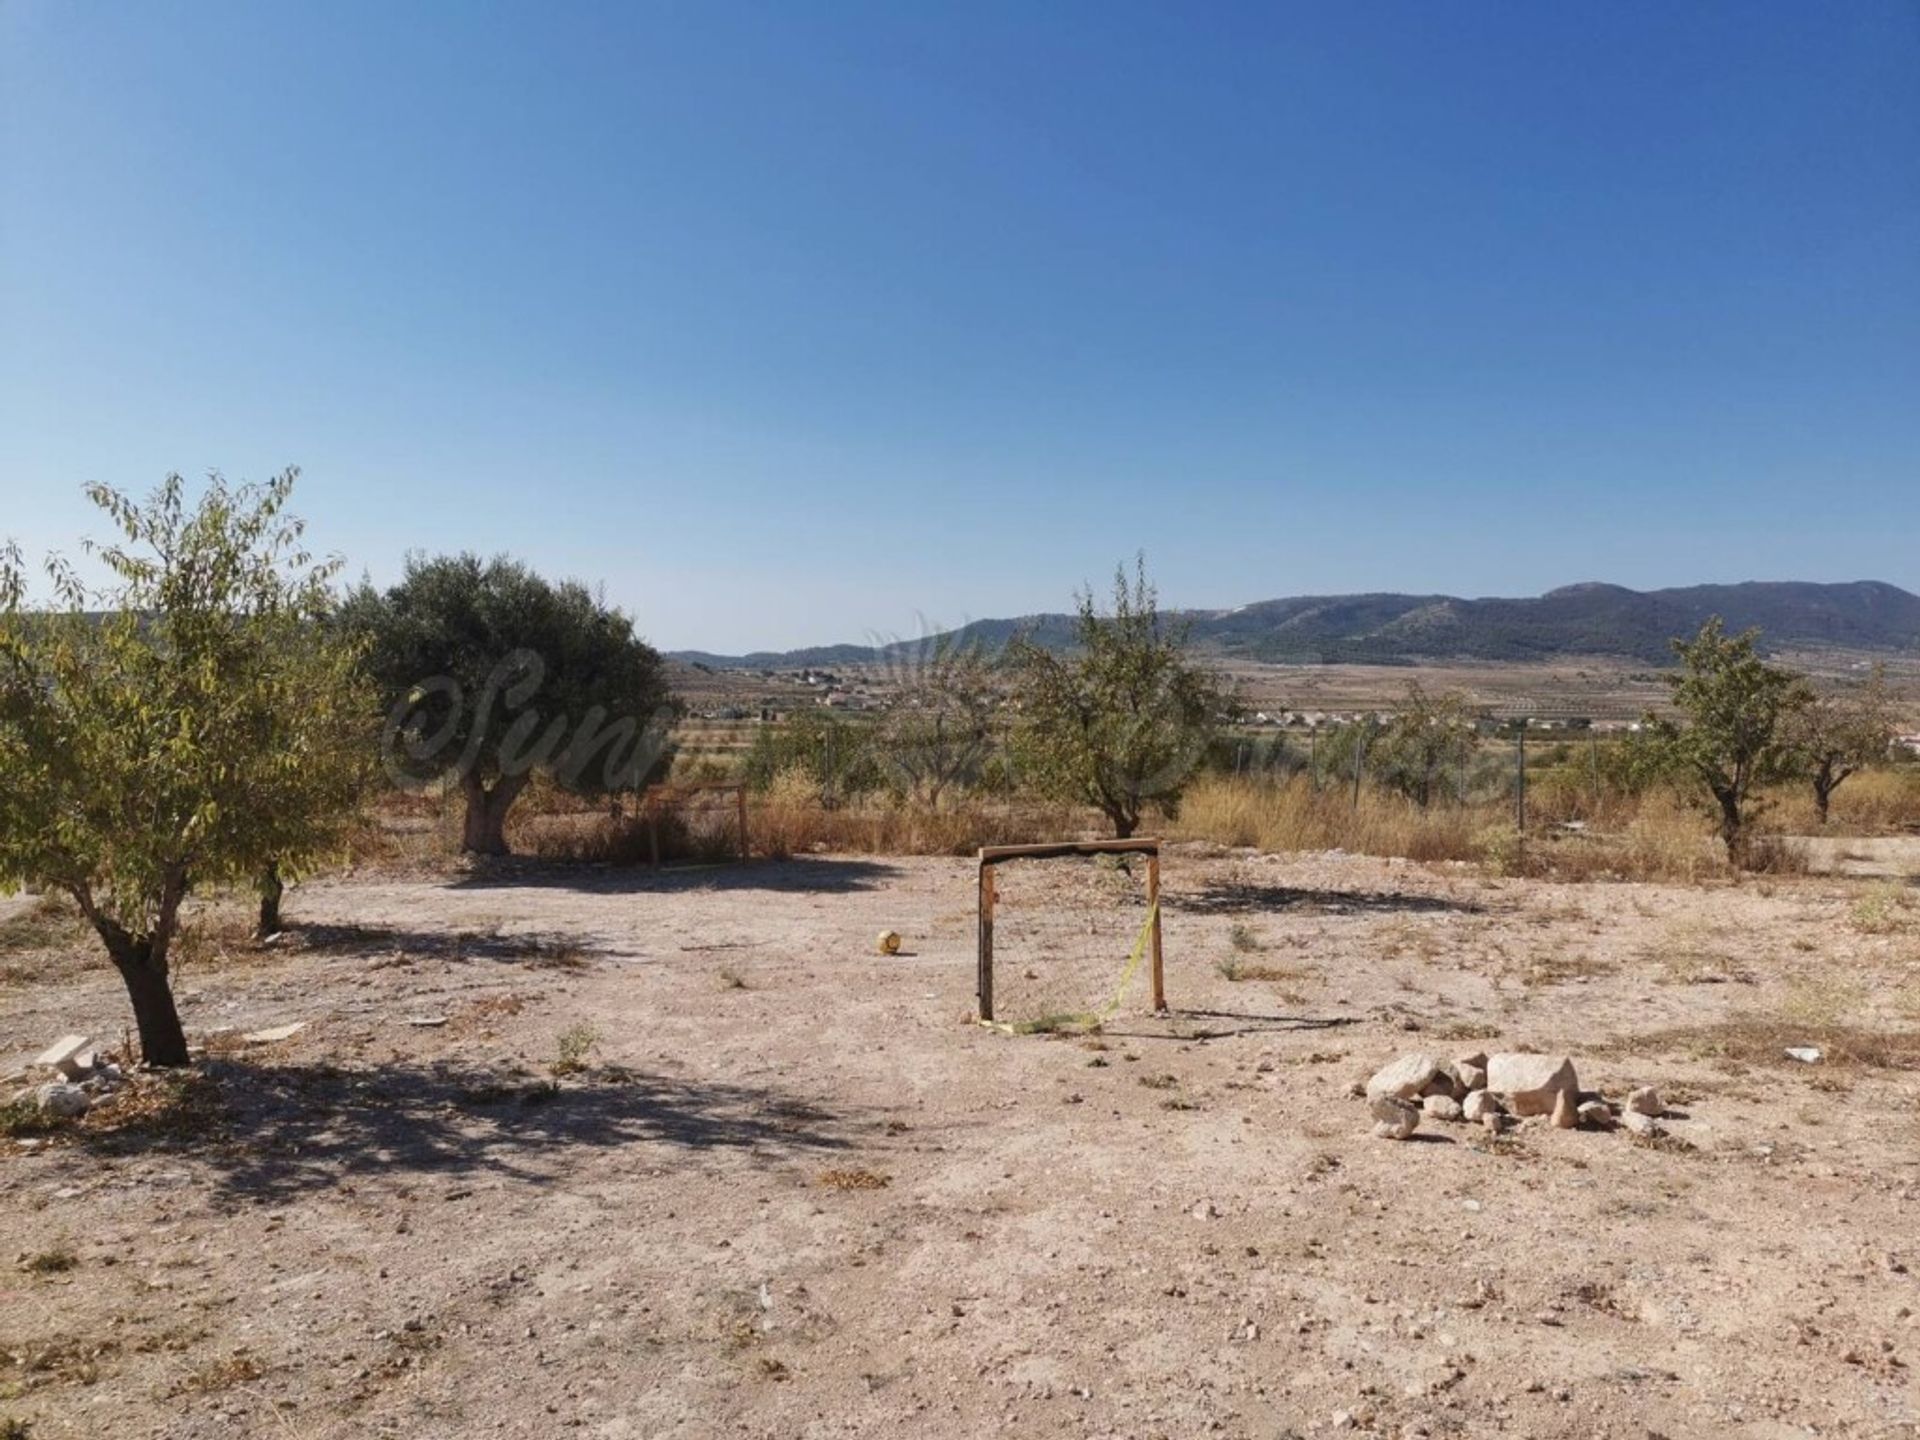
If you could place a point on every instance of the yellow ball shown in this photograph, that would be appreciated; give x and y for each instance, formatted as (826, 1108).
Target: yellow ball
(889, 942)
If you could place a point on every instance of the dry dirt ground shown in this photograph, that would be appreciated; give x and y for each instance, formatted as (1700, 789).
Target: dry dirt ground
(781, 1187)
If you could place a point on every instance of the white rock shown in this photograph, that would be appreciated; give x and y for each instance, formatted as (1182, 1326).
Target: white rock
(63, 1100)
(69, 1055)
(1565, 1117)
(1640, 1124)
(1805, 1054)
(1596, 1115)
(1473, 1077)
(274, 1034)
(1479, 1105)
(1394, 1118)
(1404, 1078)
(1441, 1107)
(1645, 1101)
(1529, 1083)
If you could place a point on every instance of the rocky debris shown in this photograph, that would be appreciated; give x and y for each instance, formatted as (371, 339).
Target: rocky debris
(1645, 1101)
(1805, 1054)
(1530, 1083)
(63, 1100)
(71, 1055)
(1479, 1105)
(1394, 1118)
(1495, 1094)
(1406, 1078)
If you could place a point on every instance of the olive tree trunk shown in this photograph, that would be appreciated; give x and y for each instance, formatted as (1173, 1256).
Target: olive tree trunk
(272, 888)
(485, 830)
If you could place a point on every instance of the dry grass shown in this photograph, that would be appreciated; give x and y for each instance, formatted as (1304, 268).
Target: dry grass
(854, 1179)
(1292, 815)
(1752, 1038)
(1657, 836)
(238, 1368)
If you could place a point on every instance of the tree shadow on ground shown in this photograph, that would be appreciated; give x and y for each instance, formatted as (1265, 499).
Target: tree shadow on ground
(1243, 899)
(800, 875)
(540, 950)
(1219, 1024)
(272, 1132)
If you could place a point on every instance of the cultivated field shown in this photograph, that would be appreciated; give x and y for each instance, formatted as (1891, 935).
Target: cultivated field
(613, 1153)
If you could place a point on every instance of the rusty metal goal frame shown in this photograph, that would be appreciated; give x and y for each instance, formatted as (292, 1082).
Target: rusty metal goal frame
(991, 856)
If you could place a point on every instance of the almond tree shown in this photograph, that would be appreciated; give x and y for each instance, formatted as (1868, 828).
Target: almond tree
(1738, 711)
(192, 722)
(1123, 720)
(1833, 737)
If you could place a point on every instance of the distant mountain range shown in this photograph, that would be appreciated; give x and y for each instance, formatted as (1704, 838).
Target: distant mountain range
(1589, 619)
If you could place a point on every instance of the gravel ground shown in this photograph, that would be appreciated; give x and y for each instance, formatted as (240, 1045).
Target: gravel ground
(632, 1155)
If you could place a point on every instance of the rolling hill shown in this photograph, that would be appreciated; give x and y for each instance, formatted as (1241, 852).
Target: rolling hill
(1587, 619)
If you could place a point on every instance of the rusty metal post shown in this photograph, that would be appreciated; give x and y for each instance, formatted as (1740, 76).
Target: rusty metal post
(1153, 910)
(984, 985)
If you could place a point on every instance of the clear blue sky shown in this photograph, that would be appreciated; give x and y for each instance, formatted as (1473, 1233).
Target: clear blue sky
(789, 321)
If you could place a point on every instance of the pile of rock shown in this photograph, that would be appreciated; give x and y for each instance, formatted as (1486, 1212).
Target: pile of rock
(84, 1076)
(1494, 1091)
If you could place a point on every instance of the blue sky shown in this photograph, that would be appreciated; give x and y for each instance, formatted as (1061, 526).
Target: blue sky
(792, 322)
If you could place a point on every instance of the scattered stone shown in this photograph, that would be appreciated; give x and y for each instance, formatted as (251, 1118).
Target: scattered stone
(1494, 1123)
(1641, 1124)
(1394, 1118)
(1473, 1077)
(1446, 1081)
(1205, 1210)
(70, 1055)
(62, 1100)
(1529, 1083)
(1645, 1101)
(274, 1034)
(1404, 1079)
(1565, 1115)
(1479, 1105)
(427, 1022)
(1596, 1115)
(1805, 1054)
(1441, 1107)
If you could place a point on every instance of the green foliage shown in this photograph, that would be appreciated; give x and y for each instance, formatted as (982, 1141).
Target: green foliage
(1738, 712)
(488, 672)
(1429, 738)
(834, 752)
(190, 723)
(1124, 719)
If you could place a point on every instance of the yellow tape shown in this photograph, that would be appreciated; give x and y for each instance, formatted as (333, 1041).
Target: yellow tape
(1133, 963)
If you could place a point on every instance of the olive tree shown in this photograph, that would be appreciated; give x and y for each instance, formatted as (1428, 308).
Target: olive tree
(1738, 711)
(1833, 737)
(1122, 720)
(490, 673)
(191, 722)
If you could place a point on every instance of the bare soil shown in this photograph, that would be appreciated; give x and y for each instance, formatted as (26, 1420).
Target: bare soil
(635, 1155)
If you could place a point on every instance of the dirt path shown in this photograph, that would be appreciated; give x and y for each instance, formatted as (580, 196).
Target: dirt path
(794, 1193)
